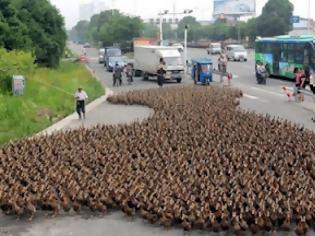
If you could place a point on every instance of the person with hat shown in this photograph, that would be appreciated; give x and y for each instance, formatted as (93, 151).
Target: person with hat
(80, 97)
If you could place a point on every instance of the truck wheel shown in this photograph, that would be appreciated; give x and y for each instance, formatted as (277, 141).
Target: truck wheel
(138, 73)
(145, 76)
(178, 80)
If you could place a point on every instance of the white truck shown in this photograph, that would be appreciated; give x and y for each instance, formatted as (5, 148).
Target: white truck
(147, 61)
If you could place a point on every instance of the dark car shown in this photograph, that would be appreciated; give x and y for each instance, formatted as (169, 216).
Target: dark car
(86, 45)
(112, 62)
(111, 52)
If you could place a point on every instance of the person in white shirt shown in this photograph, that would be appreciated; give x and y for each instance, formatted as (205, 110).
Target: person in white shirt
(80, 97)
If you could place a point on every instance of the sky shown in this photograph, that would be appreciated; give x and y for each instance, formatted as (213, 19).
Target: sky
(150, 8)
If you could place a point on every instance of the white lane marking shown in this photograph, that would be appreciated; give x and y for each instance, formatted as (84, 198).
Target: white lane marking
(255, 98)
(267, 91)
(250, 97)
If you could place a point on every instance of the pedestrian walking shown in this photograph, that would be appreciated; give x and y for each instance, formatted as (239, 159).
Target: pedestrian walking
(222, 66)
(80, 97)
(299, 78)
(129, 73)
(117, 74)
(161, 73)
(229, 77)
(312, 82)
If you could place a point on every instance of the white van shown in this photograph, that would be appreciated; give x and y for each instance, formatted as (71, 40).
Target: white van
(236, 52)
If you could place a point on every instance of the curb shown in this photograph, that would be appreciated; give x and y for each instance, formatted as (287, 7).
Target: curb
(91, 106)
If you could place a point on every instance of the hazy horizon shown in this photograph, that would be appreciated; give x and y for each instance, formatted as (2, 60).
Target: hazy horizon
(149, 9)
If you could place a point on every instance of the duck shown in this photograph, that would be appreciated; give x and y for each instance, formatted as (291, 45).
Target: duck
(302, 227)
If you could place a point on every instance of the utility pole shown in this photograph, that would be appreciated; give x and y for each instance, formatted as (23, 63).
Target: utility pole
(309, 17)
(113, 7)
(185, 49)
(161, 14)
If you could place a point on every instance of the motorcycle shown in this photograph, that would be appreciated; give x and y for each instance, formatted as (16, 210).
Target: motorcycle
(261, 75)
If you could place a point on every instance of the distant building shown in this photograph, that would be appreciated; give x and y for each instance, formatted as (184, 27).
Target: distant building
(87, 10)
(302, 27)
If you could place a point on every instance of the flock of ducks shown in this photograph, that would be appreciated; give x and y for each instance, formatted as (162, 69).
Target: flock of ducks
(198, 162)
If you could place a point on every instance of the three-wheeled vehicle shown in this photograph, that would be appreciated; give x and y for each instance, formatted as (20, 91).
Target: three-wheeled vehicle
(202, 71)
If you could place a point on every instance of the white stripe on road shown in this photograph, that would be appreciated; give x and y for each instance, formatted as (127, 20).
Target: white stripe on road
(267, 91)
(93, 58)
(255, 98)
(250, 97)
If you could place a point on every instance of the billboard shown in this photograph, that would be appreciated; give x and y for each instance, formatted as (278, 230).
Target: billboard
(234, 7)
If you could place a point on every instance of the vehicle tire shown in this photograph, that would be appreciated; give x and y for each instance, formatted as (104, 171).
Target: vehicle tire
(138, 73)
(245, 59)
(179, 80)
(145, 76)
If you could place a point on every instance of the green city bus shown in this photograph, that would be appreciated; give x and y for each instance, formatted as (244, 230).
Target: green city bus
(282, 54)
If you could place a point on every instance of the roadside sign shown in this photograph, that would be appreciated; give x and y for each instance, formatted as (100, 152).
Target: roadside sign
(295, 19)
(18, 85)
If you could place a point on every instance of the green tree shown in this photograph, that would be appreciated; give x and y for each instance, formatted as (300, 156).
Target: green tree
(275, 18)
(150, 31)
(97, 21)
(251, 30)
(194, 28)
(45, 27)
(13, 33)
(82, 31)
(168, 32)
(120, 29)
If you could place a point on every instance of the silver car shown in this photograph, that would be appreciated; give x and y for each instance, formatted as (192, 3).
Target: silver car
(214, 48)
(236, 52)
(101, 53)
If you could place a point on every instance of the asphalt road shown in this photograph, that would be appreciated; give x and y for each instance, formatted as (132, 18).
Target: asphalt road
(263, 99)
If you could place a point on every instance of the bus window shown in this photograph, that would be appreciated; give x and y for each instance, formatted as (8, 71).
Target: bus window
(258, 47)
(284, 52)
(306, 57)
(291, 53)
(268, 48)
(299, 53)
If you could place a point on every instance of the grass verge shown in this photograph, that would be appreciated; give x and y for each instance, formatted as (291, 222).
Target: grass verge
(48, 98)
